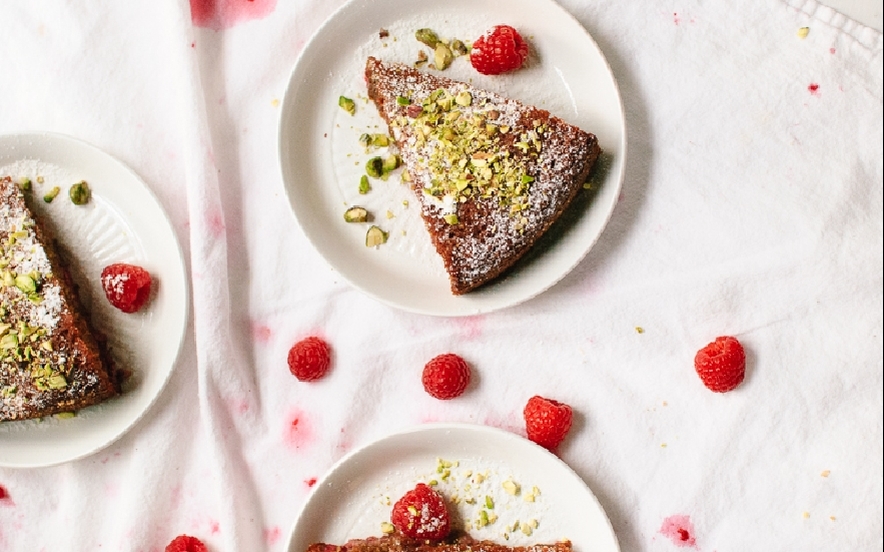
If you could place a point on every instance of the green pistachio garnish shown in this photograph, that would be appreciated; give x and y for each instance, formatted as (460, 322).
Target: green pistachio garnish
(375, 236)
(24, 184)
(80, 193)
(459, 48)
(356, 214)
(25, 283)
(347, 104)
(364, 185)
(51, 194)
(451, 218)
(427, 36)
(374, 167)
(442, 56)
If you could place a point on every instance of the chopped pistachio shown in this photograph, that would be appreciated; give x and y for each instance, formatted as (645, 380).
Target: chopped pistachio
(511, 487)
(347, 104)
(364, 185)
(463, 98)
(356, 214)
(402, 100)
(51, 194)
(80, 193)
(387, 527)
(427, 36)
(458, 47)
(374, 167)
(375, 236)
(24, 184)
(442, 56)
(391, 163)
(451, 218)
(25, 283)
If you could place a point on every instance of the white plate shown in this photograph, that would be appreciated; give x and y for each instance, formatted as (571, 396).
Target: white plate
(321, 160)
(123, 222)
(357, 494)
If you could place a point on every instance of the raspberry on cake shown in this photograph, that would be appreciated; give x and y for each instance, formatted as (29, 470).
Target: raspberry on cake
(492, 174)
(51, 361)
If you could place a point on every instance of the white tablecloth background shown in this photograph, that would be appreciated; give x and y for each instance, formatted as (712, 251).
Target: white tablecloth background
(751, 206)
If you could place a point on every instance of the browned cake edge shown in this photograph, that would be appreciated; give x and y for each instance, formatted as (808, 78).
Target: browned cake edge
(78, 352)
(559, 180)
(458, 542)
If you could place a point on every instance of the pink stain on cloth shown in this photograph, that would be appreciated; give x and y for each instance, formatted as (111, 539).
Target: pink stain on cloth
(223, 14)
(679, 530)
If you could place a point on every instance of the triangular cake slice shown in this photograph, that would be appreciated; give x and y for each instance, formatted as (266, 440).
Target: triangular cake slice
(51, 360)
(457, 543)
(492, 174)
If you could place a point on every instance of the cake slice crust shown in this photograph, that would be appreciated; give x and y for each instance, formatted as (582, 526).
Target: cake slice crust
(492, 174)
(51, 361)
(457, 542)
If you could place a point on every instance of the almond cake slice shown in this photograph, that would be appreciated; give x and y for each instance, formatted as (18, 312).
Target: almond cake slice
(458, 542)
(50, 359)
(492, 174)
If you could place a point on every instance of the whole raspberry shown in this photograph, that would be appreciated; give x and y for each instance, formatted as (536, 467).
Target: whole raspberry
(126, 286)
(721, 365)
(421, 513)
(186, 543)
(446, 376)
(499, 50)
(547, 421)
(309, 359)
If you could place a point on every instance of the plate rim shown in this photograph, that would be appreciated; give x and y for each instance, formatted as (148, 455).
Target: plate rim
(52, 139)
(426, 427)
(468, 308)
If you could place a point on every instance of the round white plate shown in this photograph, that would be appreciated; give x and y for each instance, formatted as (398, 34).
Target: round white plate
(123, 222)
(356, 495)
(321, 160)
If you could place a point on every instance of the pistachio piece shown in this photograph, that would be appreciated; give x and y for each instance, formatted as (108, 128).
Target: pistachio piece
(387, 527)
(25, 184)
(374, 167)
(442, 56)
(463, 98)
(80, 193)
(57, 381)
(51, 194)
(364, 185)
(391, 163)
(427, 36)
(459, 48)
(347, 104)
(25, 283)
(375, 236)
(451, 218)
(374, 140)
(402, 100)
(356, 214)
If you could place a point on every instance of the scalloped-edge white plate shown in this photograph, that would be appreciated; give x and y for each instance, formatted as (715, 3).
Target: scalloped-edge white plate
(321, 160)
(357, 494)
(123, 222)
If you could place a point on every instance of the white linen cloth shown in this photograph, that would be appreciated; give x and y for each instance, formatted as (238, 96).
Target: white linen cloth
(751, 206)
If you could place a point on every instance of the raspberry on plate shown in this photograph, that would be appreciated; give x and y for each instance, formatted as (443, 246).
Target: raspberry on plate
(421, 513)
(547, 422)
(186, 543)
(499, 50)
(309, 359)
(446, 376)
(721, 364)
(126, 286)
